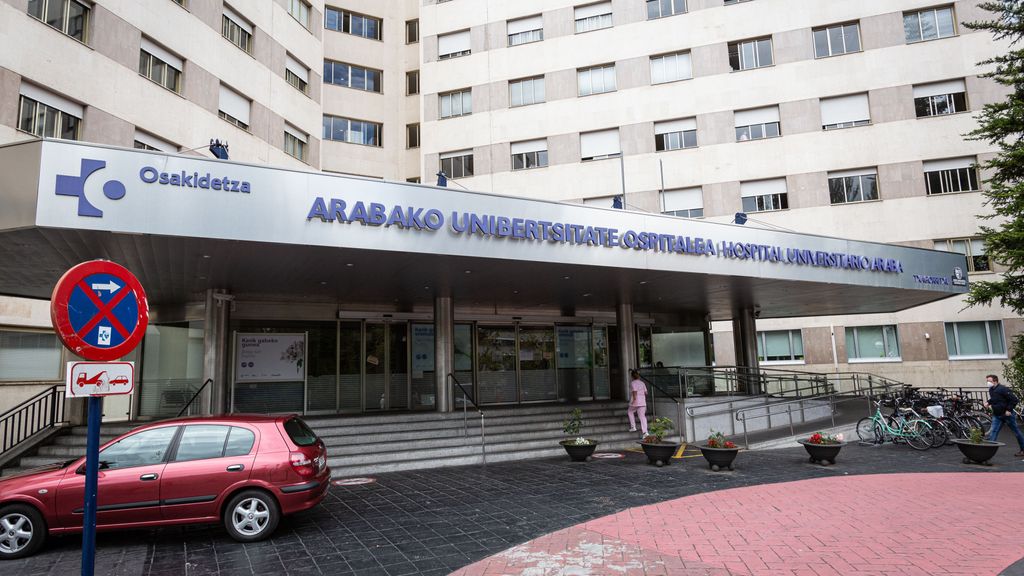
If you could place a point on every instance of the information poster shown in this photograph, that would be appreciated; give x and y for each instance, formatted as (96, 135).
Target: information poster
(270, 357)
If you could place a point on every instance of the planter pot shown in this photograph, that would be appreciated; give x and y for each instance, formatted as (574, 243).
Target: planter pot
(578, 452)
(659, 454)
(719, 458)
(823, 454)
(978, 453)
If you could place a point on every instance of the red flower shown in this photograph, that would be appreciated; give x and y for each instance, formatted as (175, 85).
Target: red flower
(815, 438)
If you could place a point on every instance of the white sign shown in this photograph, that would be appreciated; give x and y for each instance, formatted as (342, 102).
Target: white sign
(261, 357)
(99, 378)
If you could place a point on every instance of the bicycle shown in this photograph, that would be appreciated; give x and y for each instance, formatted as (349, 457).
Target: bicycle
(878, 428)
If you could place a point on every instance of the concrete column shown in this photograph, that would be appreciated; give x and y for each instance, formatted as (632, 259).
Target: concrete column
(744, 335)
(216, 331)
(444, 361)
(627, 344)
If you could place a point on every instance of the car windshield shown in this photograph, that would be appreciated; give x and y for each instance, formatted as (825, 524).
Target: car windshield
(299, 432)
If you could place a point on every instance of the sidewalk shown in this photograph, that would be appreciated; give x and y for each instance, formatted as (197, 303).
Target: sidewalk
(434, 522)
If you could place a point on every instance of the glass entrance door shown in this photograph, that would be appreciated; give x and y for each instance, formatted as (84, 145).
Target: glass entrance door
(537, 364)
(575, 358)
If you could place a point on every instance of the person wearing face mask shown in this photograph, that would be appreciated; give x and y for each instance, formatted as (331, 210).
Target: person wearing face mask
(1002, 400)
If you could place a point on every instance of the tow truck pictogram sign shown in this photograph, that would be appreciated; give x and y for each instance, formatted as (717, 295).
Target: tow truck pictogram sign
(100, 378)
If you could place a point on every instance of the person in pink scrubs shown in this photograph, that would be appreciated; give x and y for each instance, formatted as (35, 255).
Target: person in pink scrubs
(637, 402)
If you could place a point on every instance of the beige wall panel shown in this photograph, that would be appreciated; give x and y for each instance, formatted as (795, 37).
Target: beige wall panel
(792, 46)
(266, 125)
(200, 87)
(800, 116)
(495, 36)
(982, 91)
(481, 99)
(10, 84)
(882, 31)
(916, 346)
(478, 39)
(810, 189)
(118, 41)
(716, 128)
(482, 161)
(559, 22)
(647, 200)
(721, 198)
(559, 85)
(632, 73)
(817, 345)
(497, 95)
(431, 112)
(500, 156)
(710, 60)
(429, 44)
(263, 47)
(105, 128)
(891, 104)
(627, 12)
(313, 152)
(637, 138)
(209, 13)
(563, 149)
(900, 180)
(725, 349)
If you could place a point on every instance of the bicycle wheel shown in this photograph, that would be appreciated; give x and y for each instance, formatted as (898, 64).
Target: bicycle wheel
(867, 431)
(919, 435)
(940, 432)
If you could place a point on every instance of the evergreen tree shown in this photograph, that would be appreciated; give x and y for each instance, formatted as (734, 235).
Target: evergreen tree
(1002, 125)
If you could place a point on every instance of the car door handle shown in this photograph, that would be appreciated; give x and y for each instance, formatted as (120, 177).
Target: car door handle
(147, 477)
(236, 467)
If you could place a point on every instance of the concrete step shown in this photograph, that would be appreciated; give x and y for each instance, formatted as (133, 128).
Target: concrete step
(340, 426)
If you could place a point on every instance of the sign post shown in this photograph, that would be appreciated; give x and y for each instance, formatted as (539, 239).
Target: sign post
(100, 312)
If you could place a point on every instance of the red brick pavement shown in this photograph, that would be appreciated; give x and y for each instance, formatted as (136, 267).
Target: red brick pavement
(906, 524)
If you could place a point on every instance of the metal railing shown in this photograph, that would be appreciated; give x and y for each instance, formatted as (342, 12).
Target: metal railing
(466, 400)
(188, 404)
(654, 406)
(872, 387)
(40, 412)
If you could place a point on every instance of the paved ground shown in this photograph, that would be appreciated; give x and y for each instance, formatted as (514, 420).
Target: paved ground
(437, 521)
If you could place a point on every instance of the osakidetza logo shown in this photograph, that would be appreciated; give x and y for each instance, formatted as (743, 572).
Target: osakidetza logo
(70, 185)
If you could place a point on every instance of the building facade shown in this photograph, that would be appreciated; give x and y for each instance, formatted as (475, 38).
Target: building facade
(836, 119)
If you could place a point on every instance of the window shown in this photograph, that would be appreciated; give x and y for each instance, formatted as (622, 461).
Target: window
(160, 66)
(47, 115)
(750, 54)
(853, 186)
(29, 356)
(240, 442)
(670, 67)
(929, 24)
(530, 154)
(143, 449)
(764, 195)
(202, 441)
(413, 180)
(877, 343)
(525, 30)
(757, 123)
(972, 248)
(351, 23)
(457, 164)
(144, 141)
(526, 91)
(780, 346)
(845, 112)
(341, 129)
(453, 45)
(352, 76)
(599, 145)
(968, 340)
(459, 103)
(952, 175)
(234, 107)
(412, 135)
(236, 29)
(300, 11)
(940, 98)
(412, 82)
(663, 8)
(295, 143)
(593, 17)
(296, 73)
(596, 79)
(836, 40)
(412, 31)
(685, 202)
(675, 134)
(69, 16)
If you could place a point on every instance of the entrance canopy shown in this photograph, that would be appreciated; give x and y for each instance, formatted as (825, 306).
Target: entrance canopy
(184, 224)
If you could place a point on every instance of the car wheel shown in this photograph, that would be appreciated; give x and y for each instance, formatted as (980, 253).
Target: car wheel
(22, 531)
(252, 515)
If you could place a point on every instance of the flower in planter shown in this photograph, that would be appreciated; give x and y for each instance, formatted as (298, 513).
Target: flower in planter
(581, 441)
(572, 427)
(820, 438)
(658, 429)
(717, 440)
(977, 436)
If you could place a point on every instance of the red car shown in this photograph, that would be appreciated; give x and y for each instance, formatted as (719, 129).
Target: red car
(245, 471)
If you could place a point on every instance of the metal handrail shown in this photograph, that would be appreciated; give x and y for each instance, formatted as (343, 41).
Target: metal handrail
(654, 406)
(741, 414)
(465, 416)
(40, 412)
(194, 396)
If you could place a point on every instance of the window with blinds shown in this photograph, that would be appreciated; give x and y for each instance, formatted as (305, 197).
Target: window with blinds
(845, 111)
(951, 175)
(599, 145)
(940, 98)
